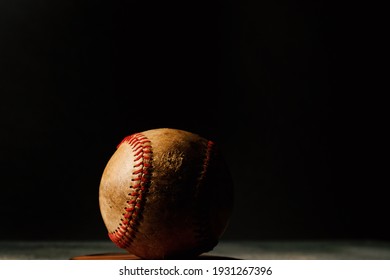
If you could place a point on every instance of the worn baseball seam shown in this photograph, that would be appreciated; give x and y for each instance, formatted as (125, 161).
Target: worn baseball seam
(201, 229)
(126, 232)
(206, 161)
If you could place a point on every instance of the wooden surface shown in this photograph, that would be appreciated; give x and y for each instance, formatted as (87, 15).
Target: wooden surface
(255, 250)
(106, 256)
(125, 256)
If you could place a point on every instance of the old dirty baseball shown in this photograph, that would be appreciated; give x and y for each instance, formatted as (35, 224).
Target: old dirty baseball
(166, 193)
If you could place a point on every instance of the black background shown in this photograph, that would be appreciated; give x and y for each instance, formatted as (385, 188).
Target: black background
(285, 88)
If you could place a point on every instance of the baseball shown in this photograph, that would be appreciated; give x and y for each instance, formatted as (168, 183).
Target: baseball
(166, 193)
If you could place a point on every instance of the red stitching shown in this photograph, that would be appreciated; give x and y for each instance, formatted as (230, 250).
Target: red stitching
(206, 161)
(201, 231)
(137, 171)
(125, 233)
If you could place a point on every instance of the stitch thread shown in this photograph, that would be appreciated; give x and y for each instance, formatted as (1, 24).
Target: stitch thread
(202, 229)
(126, 232)
(206, 160)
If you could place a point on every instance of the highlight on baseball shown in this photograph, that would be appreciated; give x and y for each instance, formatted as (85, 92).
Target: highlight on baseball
(166, 193)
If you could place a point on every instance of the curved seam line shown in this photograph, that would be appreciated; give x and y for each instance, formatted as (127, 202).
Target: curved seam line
(126, 231)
